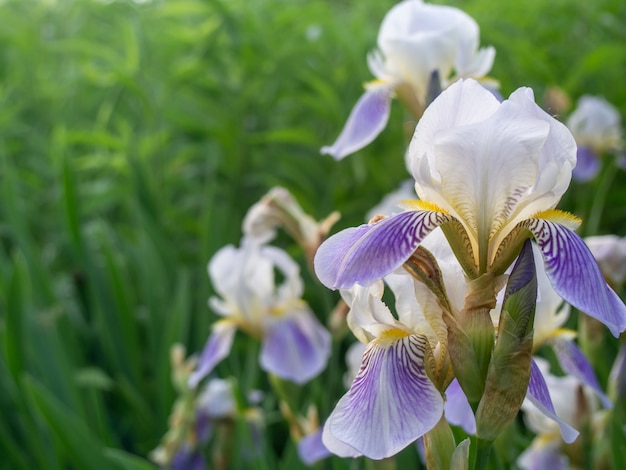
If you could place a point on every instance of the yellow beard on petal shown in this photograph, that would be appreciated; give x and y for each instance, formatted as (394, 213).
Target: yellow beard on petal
(420, 205)
(560, 217)
(390, 336)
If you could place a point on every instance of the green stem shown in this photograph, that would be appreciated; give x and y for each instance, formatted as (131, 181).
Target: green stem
(481, 455)
(597, 206)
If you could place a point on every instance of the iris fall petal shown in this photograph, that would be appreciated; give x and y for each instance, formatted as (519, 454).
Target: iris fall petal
(575, 275)
(296, 347)
(576, 364)
(367, 119)
(217, 348)
(369, 252)
(391, 402)
(539, 395)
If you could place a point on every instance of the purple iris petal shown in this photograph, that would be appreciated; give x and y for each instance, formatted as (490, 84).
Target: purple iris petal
(367, 119)
(296, 347)
(575, 275)
(576, 364)
(217, 348)
(391, 402)
(587, 165)
(311, 448)
(458, 410)
(546, 456)
(539, 395)
(369, 252)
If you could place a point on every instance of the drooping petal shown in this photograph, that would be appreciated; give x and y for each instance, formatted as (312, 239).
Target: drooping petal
(369, 252)
(539, 395)
(575, 275)
(576, 364)
(391, 402)
(217, 348)
(296, 347)
(367, 119)
(311, 448)
(336, 446)
(458, 410)
(587, 165)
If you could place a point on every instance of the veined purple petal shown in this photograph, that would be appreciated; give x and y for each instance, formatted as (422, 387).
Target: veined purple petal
(311, 448)
(539, 395)
(587, 164)
(575, 275)
(367, 119)
(458, 410)
(369, 252)
(391, 402)
(576, 364)
(296, 347)
(217, 348)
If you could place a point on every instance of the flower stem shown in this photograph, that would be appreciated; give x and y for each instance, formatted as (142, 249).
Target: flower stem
(482, 450)
(597, 206)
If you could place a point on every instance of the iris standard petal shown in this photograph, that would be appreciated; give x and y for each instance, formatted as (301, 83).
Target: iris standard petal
(367, 119)
(587, 164)
(369, 252)
(391, 402)
(458, 410)
(296, 347)
(575, 275)
(539, 395)
(217, 348)
(574, 362)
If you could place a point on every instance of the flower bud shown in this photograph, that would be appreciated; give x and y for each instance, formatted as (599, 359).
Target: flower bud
(509, 368)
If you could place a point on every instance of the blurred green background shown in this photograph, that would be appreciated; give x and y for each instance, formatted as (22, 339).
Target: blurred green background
(133, 138)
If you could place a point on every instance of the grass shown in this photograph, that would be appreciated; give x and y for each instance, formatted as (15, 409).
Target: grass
(134, 137)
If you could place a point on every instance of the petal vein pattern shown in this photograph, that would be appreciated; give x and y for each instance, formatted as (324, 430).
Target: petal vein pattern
(575, 275)
(391, 402)
(369, 252)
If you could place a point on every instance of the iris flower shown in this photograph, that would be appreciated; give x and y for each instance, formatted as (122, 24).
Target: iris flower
(490, 174)
(394, 398)
(295, 346)
(597, 128)
(415, 40)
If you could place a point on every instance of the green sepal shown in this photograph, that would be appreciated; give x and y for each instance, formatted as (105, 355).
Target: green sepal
(461, 246)
(440, 446)
(509, 249)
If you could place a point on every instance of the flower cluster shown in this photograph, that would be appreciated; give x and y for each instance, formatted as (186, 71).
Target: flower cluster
(488, 175)
(456, 286)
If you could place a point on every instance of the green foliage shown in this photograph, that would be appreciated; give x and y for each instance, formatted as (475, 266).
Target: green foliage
(134, 137)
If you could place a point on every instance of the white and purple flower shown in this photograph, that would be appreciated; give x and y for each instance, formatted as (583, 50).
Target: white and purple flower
(295, 346)
(415, 40)
(490, 174)
(392, 400)
(596, 125)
